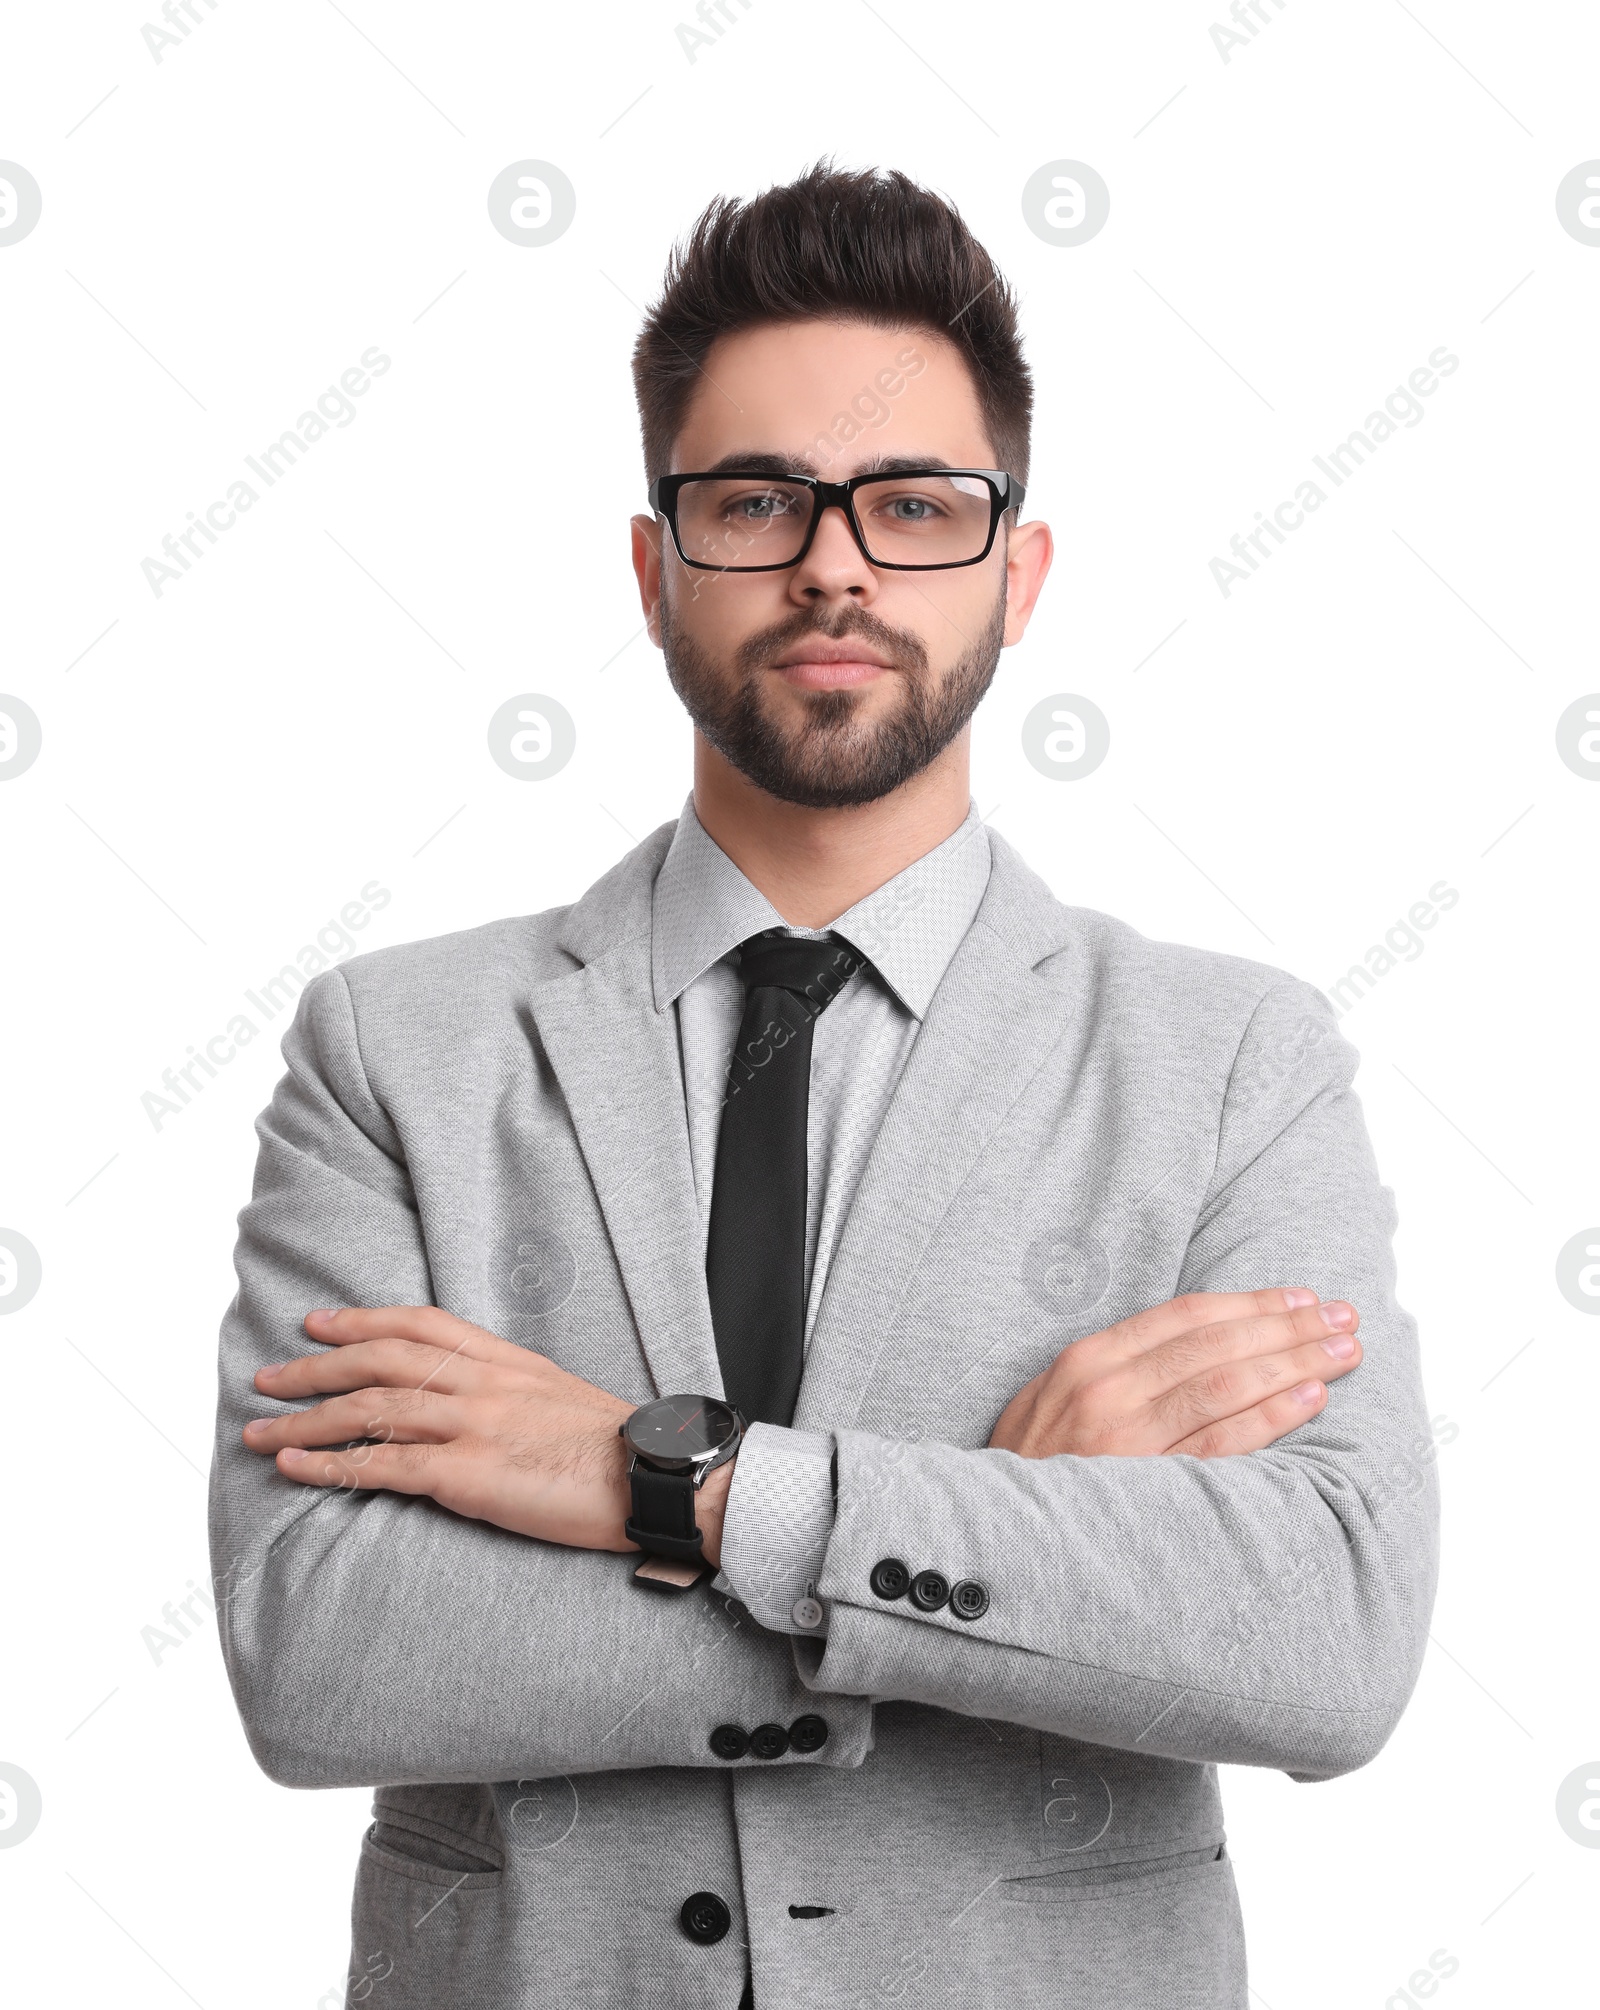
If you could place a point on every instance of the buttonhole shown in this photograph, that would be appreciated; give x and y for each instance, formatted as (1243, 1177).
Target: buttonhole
(809, 1911)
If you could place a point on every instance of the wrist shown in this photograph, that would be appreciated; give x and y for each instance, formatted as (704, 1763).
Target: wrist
(617, 1458)
(710, 1510)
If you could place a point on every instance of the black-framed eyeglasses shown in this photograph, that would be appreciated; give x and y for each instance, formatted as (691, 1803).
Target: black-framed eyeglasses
(916, 520)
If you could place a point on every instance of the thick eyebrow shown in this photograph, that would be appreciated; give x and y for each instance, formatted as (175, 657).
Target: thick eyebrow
(795, 464)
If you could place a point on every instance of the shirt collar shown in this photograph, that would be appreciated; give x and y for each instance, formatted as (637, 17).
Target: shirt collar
(909, 928)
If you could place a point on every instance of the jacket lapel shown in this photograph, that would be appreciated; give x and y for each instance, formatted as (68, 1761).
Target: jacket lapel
(616, 1059)
(993, 1021)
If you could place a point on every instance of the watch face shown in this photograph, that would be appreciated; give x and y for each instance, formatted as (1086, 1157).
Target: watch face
(681, 1428)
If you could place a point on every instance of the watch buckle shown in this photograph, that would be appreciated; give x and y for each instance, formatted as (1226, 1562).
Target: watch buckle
(671, 1576)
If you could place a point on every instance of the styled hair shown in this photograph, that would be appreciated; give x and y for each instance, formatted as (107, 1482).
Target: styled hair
(867, 245)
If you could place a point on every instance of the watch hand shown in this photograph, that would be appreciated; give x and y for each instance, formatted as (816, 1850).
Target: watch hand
(689, 1420)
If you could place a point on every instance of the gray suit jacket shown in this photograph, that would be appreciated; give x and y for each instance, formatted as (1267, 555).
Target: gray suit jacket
(1017, 1809)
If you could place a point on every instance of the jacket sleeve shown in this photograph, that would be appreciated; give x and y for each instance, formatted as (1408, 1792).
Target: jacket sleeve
(1267, 1609)
(376, 1639)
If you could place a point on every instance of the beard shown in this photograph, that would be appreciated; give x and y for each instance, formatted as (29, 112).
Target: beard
(834, 758)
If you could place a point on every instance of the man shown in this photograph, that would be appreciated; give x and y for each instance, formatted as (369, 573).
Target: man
(968, 1282)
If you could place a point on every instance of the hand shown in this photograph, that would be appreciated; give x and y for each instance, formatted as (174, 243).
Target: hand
(487, 1429)
(1211, 1374)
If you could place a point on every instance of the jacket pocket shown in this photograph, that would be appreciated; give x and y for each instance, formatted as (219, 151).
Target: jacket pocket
(425, 1935)
(431, 1855)
(1082, 1882)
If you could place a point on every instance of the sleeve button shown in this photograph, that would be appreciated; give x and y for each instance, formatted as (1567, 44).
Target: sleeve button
(769, 1741)
(890, 1578)
(929, 1590)
(808, 1733)
(969, 1600)
(729, 1741)
(806, 1613)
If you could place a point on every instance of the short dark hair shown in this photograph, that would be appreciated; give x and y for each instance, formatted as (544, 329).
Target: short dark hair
(868, 245)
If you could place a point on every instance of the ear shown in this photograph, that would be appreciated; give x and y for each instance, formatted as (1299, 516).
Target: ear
(1029, 551)
(647, 570)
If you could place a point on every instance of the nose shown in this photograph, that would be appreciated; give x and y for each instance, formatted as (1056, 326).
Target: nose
(835, 568)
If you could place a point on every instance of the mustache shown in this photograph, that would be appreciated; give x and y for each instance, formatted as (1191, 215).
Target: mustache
(904, 650)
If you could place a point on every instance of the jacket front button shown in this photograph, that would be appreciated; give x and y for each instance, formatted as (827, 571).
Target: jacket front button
(808, 1733)
(890, 1578)
(929, 1590)
(704, 1917)
(769, 1741)
(969, 1600)
(729, 1741)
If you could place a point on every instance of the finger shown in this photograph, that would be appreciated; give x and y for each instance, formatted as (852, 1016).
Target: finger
(400, 1469)
(362, 1364)
(398, 1416)
(1219, 1343)
(1237, 1385)
(1261, 1425)
(345, 1325)
(1141, 1331)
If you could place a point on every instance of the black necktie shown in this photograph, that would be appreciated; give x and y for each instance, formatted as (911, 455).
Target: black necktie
(756, 1250)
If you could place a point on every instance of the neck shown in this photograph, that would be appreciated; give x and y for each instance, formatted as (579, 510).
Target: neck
(813, 865)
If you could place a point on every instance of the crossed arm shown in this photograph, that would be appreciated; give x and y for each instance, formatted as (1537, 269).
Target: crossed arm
(500, 1434)
(432, 1604)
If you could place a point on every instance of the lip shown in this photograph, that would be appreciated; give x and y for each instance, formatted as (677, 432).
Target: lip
(830, 666)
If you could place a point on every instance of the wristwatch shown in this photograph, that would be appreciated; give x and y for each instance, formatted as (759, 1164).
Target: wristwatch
(675, 1442)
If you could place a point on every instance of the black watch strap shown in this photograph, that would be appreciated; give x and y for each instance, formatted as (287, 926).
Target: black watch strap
(663, 1513)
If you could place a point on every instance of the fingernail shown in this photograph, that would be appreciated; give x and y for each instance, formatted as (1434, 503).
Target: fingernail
(1307, 1393)
(258, 1423)
(1336, 1313)
(1341, 1347)
(273, 1368)
(327, 1312)
(294, 1454)
(1298, 1298)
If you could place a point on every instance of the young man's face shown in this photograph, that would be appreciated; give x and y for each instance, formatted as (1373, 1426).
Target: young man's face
(834, 681)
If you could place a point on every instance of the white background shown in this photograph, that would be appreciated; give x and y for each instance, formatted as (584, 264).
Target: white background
(1292, 232)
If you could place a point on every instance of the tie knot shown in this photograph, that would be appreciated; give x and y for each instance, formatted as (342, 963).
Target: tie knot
(814, 968)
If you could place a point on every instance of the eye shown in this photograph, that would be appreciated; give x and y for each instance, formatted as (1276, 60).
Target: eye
(759, 506)
(911, 508)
